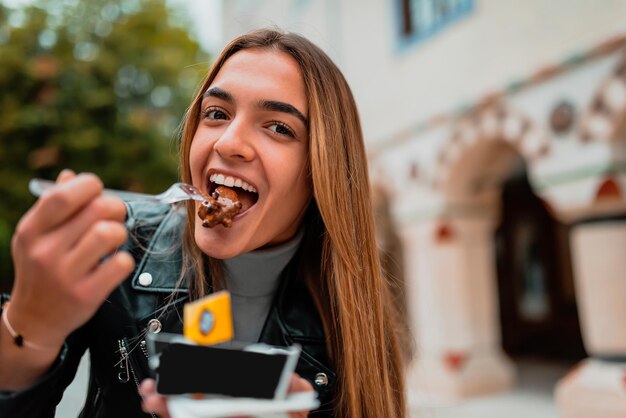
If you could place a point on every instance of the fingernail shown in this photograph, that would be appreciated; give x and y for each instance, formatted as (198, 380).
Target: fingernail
(66, 172)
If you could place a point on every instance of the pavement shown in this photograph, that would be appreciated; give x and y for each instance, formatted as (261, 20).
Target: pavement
(532, 397)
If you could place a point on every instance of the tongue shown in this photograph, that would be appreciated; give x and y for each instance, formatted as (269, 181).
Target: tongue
(247, 199)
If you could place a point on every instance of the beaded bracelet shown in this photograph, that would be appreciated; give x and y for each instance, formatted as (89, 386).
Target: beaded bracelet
(18, 339)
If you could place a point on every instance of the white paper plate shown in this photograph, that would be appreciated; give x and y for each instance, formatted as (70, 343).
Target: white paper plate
(185, 407)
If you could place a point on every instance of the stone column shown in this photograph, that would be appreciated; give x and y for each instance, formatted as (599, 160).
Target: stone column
(453, 308)
(597, 387)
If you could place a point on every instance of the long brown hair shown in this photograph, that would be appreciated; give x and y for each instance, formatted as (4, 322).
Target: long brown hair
(346, 279)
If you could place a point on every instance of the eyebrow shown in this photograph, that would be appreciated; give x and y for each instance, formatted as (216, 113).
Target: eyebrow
(220, 94)
(272, 105)
(277, 106)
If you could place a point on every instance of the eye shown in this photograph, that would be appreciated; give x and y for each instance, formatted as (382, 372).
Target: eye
(281, 129)
(213, 113)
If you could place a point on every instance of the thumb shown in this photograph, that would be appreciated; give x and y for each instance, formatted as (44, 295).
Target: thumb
(298, 384)
(65, 175)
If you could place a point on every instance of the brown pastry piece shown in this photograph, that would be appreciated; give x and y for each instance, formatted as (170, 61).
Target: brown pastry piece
(219, 208)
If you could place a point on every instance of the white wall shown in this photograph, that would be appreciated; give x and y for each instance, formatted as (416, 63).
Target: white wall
(499, 41)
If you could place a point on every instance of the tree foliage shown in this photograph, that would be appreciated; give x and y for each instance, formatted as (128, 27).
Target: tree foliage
(95, 86)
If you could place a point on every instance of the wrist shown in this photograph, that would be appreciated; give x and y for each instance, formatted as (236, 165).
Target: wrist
(25, 337)
(20, 367)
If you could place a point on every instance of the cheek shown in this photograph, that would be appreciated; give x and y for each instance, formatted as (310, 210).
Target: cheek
(196, 159)
(289, 170)
(298, 189)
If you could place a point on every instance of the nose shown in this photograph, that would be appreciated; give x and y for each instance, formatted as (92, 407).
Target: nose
(234, 142)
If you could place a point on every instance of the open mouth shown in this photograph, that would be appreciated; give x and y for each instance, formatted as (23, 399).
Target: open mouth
(247, 193)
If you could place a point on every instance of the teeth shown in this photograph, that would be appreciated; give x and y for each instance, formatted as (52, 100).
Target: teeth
(230, 181)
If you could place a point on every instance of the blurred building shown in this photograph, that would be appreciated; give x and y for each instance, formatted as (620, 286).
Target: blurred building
(497, 138)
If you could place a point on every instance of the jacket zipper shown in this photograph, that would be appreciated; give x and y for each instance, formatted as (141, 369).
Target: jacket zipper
(126, 367)
(144, 349)
(122, 375)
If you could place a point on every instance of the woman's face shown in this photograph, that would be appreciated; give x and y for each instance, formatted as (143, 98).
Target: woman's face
(253, 133)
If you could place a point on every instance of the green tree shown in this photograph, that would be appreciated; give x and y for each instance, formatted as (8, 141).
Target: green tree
(95, 86)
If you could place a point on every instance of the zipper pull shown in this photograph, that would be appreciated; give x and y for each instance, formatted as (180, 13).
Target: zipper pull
(123, 375)
(144, 349)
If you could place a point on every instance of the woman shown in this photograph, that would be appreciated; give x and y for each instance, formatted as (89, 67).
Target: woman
(276, 120)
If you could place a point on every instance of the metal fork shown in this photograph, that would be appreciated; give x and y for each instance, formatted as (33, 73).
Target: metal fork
(177, 192)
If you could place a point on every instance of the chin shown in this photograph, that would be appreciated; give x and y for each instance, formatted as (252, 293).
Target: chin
(216, 245)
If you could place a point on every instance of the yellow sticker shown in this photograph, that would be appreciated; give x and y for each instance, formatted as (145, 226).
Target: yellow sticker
(209, 320)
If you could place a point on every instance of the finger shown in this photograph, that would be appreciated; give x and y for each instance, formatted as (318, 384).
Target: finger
(65, 175)
(102, 238)
(60, 203)
(99, 284)
(102, 208)
(298, 384)
(147, 387)
(152, 401)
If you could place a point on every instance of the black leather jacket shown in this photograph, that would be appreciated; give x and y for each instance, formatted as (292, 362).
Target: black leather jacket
(115, 336)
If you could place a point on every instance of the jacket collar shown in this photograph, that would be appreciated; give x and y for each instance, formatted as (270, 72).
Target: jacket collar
(160, 267)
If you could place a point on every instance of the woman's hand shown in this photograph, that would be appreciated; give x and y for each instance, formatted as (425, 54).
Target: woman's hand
(58, 250)
(157, 404)
(61, 276)
(298, 384)
(152, 401)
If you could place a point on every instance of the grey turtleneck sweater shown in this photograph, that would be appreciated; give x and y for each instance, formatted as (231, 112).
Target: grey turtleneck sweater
(252, 279)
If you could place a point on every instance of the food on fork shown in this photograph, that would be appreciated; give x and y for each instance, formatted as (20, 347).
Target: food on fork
(219, 208)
